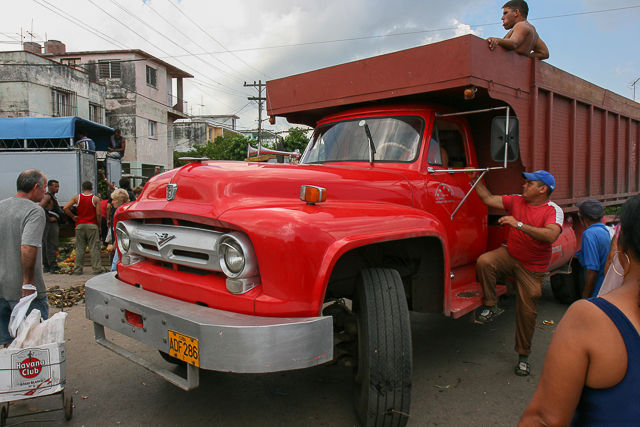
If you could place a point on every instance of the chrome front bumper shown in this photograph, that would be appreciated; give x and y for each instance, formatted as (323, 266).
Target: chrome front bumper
(228, 341)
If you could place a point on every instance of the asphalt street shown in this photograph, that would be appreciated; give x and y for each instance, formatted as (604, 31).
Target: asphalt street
(463, 376)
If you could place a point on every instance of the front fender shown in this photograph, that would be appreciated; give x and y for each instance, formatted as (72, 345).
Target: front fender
(297, 245)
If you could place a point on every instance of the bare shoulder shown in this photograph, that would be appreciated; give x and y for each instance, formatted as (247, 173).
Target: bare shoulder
(582, 315)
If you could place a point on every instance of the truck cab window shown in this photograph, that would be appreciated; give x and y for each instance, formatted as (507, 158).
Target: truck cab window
(397, 139)
(447, 147)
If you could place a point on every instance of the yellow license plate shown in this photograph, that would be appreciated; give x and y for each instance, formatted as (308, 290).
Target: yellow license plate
(184, 347)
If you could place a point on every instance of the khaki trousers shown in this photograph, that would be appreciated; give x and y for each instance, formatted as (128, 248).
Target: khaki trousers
(88, 235)
(495, 264)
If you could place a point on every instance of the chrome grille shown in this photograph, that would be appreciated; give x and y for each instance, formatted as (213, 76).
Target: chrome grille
(180, 245)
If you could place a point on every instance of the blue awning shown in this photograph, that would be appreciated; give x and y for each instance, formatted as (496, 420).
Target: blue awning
(34, 128)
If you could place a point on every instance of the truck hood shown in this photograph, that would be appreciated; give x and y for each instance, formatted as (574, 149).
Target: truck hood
(216, 187)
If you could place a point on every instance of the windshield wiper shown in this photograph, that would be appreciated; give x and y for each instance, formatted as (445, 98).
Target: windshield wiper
(372, 147)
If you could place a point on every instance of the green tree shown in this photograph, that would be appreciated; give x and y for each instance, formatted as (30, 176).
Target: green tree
(296, 139)
(231, 146)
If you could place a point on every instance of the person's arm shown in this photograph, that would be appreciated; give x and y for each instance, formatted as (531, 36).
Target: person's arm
(109, 215)
(485, 195)
(67, 208)
(96, 201)
(123, 146)
(45, 201)
(44, 204)
(564, 371)
(590, 279)
(549, 233)
(512, 40)
(28, 255)
(540, 50)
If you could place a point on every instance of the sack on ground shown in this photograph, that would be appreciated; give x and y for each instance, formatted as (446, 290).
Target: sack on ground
(19, 312)
(37, 334)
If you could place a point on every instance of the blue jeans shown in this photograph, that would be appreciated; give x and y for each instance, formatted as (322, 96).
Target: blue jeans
(115, 154)
(114, 263)
(6, 307)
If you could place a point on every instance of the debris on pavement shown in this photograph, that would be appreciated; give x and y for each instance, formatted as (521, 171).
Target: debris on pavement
(63, 298)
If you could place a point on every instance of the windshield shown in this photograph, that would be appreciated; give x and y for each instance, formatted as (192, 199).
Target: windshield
(396, 139)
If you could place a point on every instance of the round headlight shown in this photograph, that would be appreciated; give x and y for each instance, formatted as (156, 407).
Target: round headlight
(231, 258)
(123, 238)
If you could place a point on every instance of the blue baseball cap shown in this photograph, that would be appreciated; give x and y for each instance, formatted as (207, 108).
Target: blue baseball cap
(543, 176)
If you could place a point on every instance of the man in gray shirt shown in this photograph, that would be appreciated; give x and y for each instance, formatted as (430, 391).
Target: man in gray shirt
(22, 222)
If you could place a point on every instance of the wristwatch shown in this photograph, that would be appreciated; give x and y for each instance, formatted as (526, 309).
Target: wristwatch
(520, 224)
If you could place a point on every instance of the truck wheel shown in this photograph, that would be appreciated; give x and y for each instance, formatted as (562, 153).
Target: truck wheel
(383, 374)
(567, 288)
(171, 359)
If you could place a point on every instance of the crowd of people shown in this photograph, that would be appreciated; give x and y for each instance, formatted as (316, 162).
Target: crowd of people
(30, 223)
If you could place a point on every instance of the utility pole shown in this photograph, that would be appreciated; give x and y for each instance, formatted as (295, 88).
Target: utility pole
(259, 85)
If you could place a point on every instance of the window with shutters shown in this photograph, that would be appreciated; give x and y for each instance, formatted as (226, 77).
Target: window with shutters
(63, 103)
(110, 69)
(152, 129)
(95, 113)
(152, 76)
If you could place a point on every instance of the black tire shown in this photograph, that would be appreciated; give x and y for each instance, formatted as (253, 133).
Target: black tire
(171, 359)
(567, 288)
(383, 374)
(68, 408)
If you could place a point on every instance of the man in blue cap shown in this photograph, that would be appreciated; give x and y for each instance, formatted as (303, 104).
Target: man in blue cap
(596, 241)
(535, 224)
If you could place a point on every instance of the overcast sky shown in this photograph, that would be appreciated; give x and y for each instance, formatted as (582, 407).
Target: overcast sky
(225, 43)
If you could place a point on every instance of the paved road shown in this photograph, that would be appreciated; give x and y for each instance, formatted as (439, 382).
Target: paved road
(463, 376)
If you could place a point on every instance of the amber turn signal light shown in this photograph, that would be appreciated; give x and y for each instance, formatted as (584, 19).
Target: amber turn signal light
(470, 93)
(312, 194)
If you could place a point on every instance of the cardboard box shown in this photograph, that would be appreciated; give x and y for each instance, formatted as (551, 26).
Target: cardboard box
(32, 372)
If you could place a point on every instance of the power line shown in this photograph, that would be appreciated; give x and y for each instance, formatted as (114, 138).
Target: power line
(189, 38)
(82, 25)
(143, 38)
(227, 50)
(409, 33)
(167, 38)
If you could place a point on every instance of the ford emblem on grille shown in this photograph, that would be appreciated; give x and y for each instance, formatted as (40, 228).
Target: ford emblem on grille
(172, 189)
(163, 239)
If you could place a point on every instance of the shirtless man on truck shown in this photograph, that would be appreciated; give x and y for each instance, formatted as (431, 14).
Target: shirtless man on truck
(522, 36)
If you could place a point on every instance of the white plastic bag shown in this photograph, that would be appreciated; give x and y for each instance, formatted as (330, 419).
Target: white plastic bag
(19, 312)
(36, 334)
(109, 238)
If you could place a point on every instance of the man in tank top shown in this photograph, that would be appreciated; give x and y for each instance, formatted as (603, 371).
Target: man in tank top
(88, 222)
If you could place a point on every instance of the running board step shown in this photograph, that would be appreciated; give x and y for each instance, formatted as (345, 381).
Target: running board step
(467, 298)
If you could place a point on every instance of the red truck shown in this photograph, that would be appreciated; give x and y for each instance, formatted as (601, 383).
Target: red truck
(247, 267)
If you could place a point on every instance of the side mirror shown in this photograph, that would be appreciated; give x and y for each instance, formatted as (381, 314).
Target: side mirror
(498, 138)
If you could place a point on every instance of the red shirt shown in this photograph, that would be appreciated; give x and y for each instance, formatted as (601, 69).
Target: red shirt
(86, 210)
(103, 207)
(533, 254)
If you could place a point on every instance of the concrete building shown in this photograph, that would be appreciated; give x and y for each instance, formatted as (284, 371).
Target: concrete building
(201, 129)
(144, 96)
(268, 138)
(35, 86)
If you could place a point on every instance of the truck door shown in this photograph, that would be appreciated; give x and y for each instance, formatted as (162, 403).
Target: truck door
(448, 153)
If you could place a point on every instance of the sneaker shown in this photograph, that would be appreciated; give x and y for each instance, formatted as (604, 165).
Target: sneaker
(485, 316)
(45, 269)
(523, 369)
(101, 271)
(77, 273)
(55, 270)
